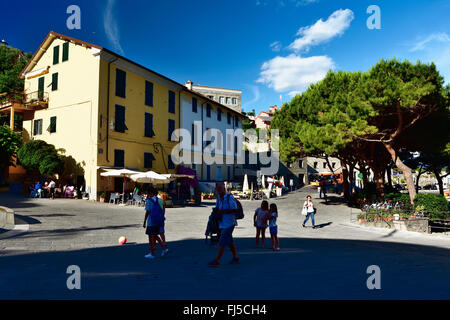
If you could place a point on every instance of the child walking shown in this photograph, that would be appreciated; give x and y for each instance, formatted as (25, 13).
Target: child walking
(260, 222)
(273, 228)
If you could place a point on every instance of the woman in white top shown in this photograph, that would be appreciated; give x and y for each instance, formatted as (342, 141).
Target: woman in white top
(309, 211)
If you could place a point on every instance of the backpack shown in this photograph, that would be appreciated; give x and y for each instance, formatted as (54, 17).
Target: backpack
(157, 214)
(240, 212)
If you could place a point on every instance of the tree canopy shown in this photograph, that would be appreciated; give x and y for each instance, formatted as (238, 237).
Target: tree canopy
(10, 142)
(38, 155)
(12, 61)
(363, 117)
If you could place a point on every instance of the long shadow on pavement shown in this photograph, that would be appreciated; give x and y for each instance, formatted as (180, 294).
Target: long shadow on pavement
(303, 269)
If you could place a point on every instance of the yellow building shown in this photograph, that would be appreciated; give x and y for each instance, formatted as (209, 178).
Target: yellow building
(105, 110)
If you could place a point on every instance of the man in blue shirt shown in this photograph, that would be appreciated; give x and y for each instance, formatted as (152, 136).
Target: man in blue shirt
(226, 208)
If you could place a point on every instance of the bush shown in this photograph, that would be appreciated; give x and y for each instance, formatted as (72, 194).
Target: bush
(402, 198)
(435, 205)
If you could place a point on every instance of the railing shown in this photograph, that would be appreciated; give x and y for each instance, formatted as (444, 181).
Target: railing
(36, 97)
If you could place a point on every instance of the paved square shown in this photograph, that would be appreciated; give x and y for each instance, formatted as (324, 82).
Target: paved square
(325, 263)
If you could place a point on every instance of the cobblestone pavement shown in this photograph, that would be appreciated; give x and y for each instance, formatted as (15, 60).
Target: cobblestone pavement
(329, 262)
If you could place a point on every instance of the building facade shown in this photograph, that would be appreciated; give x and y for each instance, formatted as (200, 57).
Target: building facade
(105, 110)
(228, 97)
(214, 131)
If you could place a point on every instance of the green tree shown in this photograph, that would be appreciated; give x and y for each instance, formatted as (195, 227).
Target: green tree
(38, 155)
(401, 94)
(12, 61)
(10, 142)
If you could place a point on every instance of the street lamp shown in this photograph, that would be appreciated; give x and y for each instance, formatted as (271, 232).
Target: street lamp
(4, 42)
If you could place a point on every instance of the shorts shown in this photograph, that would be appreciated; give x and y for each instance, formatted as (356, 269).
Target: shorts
(261, 227)
(161, 228)
(273, 230)
(152, 230)
(226, 237)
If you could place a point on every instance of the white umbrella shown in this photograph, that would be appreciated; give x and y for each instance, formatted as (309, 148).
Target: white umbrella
(120, 173)
(150, 177)
(245, 187)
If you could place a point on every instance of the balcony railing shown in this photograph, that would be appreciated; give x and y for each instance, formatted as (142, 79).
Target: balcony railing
(36, 99)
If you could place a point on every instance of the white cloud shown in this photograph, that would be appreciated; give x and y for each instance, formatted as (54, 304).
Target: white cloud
(111, 29)
(276, 46)
(294, 73)
(256, 96)
(323, 31)
(434, 37)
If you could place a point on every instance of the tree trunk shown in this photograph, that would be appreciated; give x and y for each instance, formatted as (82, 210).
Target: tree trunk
(405, 169)
(345, 179)
(437, 173)
(389, 175)
(351, 169)
(379, 184)
(417, 179)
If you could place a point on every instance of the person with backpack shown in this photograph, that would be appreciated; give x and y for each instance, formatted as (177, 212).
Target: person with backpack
(154, 222)
(229, 209)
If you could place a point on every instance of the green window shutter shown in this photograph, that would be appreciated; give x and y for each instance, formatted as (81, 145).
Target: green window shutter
(171, 165)
(171, 101)
(41, 88)
(65, 55)
(53, 124)
(194, 105)
(148, 160)
(149, 125)
(120, 119)
(35, 127)
(171, 128)
(55, 81)
(56, 55)
(121, 83)
(119, 158)
(148, 94)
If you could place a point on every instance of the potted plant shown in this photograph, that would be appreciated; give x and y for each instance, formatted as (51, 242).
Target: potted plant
(102, 197)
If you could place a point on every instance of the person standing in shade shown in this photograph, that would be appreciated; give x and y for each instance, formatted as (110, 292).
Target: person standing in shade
(310, 211)
(153, 222)
(51, 187)
(226, 207)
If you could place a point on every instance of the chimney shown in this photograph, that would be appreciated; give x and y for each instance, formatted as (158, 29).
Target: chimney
(189, 84)
(272, 109)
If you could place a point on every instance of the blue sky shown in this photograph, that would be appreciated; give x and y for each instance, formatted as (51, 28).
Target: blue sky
(270, 49)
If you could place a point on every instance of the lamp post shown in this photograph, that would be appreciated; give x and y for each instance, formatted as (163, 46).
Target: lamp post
(3, 42)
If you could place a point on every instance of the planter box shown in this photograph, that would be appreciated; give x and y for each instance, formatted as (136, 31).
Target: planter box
(416, 225)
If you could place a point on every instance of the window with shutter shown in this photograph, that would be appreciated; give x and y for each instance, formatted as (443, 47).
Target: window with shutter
(119, 158)
(55, 54)
(52, 124)
(171, 128)
(119, 122)
(121, 77)
(208, 110)
(55, 81)
(193, 134)
(219, 115)
(194, 105)
(41, 88)
(228, 118)
(148, 93)
(148, 160)
(171, 101)
(65, 55)
(149, 125)
(171, 165)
